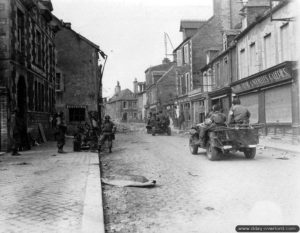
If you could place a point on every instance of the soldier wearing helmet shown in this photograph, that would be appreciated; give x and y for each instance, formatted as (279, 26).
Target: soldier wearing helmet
(238, 114)
(61, 131)
(214, 118)
(108, 130)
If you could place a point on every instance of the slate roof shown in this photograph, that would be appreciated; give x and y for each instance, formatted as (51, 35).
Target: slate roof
(191, 24)
(123, 95)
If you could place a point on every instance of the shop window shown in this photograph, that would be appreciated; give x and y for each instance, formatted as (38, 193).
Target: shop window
(76, 114)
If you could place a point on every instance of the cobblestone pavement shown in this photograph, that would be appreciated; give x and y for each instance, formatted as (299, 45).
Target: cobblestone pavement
(194, 194)
(42, 191)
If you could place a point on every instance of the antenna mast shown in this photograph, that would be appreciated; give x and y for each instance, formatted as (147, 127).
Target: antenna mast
(166, 39)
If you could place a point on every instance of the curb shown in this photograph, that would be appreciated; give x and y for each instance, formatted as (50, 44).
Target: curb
(93, 218)
(280, 149)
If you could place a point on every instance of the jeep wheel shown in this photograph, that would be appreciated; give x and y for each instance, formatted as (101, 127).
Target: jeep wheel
(250, 153)
(193, 147)
(212, 152)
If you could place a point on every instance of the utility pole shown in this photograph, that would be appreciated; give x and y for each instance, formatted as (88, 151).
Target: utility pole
(99, 97)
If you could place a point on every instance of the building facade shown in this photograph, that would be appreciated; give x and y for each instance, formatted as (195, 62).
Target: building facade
(78, 84)
(123, 106)
(267, 81)
(153, 74)
(27, 66)
(191, 56)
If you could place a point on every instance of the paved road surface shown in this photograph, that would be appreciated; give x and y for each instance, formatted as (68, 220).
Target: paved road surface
(194, 194)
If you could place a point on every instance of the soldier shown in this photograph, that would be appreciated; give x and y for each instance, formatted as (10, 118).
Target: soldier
(16, 126)
(238, 114)
(61, 131)
(108, 130)
(215, 118)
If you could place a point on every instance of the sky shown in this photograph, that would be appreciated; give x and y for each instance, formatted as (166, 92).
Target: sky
(130, 32)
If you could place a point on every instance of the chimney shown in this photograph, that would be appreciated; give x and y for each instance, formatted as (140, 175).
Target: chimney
(117, 88)
(67, 25)
(166, 61)
(135, 86)
(252, 10)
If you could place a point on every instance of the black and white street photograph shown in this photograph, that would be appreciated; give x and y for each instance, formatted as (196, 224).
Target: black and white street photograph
(149, 116)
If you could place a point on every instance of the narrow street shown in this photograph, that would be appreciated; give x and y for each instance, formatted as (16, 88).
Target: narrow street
(194, 194)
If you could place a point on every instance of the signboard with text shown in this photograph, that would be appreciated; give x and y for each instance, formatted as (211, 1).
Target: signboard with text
(260, 80)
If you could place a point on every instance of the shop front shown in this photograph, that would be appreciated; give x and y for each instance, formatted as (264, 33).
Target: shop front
(272, 98)
(199, 107)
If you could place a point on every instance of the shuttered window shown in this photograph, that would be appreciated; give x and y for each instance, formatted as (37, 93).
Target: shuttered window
(278, 105)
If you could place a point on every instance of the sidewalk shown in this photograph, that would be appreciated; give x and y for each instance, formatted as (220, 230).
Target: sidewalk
(43, 191)
(278, 145)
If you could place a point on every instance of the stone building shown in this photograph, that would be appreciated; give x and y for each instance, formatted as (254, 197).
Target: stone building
(153, 74)
(217, 75)
(78, 75)
(201, 38)
(267, 81)
(123, 105)
(27, 65)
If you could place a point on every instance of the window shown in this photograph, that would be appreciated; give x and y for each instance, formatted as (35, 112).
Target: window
(210, 80)
(188, 82)
(253, 65)
(179, 57)
(285, 42)
(225, 45)
(268, 51)
(183, 85)
(124, 104)
(39, 47)
(21, 39)
(217, 75)
(58, 82)
(76, 114)
(186, 54)
(243, 63)
(36, 96)
(134, 104)
(204, 82)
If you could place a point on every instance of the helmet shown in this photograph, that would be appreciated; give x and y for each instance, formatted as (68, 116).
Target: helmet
(216, 107)
(107, 117)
